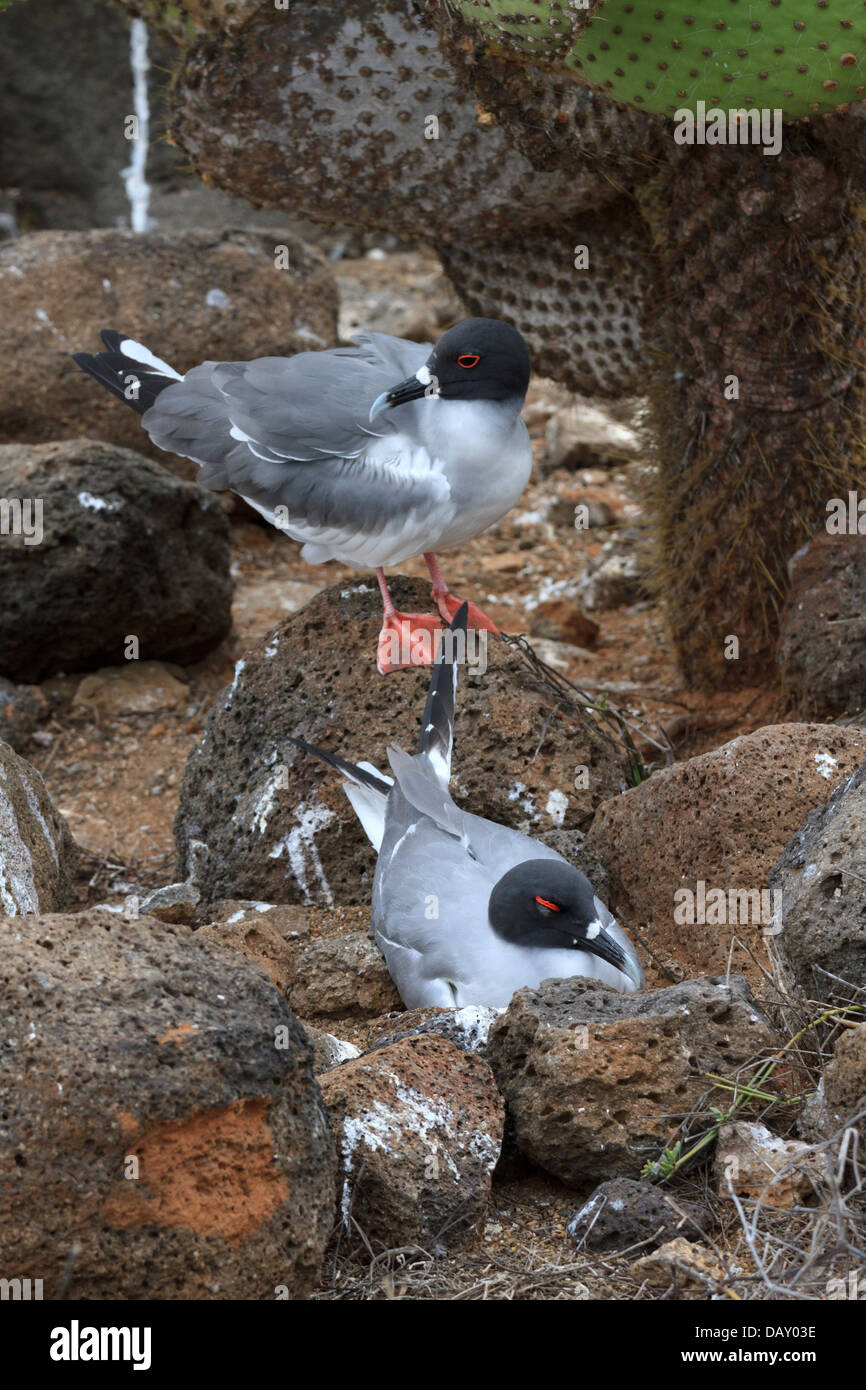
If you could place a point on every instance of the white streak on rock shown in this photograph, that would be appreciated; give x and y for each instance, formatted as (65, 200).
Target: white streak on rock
(299, 846)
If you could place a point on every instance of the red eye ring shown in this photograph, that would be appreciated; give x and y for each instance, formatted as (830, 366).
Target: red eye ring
(544, 903)
(468, 359)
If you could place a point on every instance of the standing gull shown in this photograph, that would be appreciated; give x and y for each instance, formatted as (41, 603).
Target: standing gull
(368, 454)
(467, 911)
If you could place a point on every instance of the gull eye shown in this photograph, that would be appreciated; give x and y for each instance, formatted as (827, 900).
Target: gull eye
(468, 359)
(547, 906)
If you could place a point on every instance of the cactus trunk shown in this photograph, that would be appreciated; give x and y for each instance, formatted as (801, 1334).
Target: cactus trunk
(758, 387)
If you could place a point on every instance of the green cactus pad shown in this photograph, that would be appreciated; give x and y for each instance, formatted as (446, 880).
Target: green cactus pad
(543, 30)
(801, 56)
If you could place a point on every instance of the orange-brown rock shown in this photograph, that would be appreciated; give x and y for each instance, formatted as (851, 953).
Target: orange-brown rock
(187, 296)
(754, 1163)
(596, 1082)
(164, 1133)
(845, 1080)
(721, 819)
(418, 1127)
(277, 823)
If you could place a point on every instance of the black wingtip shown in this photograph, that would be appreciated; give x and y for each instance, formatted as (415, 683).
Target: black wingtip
(458, 622)
(357, 774)
(113, 369)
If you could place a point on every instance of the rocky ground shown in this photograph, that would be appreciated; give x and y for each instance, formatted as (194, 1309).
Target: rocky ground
(465, 1212)
(114, 756)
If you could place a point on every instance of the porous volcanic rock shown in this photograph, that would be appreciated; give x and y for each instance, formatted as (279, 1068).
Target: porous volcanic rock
(623, 1213)
(22, 709)
(721, 819)
(682, 1269)
(822, 636)
(845, 1080)
(328, 1050)
(595, 1081)
(342, 977)
(158, 1100)
(467, 1027)
(276, 824)
(418, 1127)
(173, 902)
(37, 851)
(821, 876)
(188, 296)
(752, 1162)
(257, 939)
(127, 549)
(137, 687)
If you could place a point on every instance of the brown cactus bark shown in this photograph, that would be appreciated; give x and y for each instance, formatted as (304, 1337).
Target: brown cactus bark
(755, 331)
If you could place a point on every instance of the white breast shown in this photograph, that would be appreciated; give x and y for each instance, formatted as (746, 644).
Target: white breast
(487, 461)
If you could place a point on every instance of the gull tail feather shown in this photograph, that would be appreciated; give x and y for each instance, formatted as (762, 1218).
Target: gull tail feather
(129, 370)
(437, 724)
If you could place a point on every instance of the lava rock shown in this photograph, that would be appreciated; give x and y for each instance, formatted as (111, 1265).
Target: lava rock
(581, 435)
(822, 637)
(467, 1027)
(624, 1213)
(289, 921)
(343, 977)
(277, 825)
(168, 1083)
(22, 709)
(754, 1163)
(821, 875)
(38, 855)
(612, 578)
(174, 902)
(257, 939)
(724, 818)
(127, 550)
(595, 1080)
(845, 1080)
(140, 687)
(336, 976)
(418, 1127)
(328, 1052)
(682, 1269)
(186, 295)
(561, 620)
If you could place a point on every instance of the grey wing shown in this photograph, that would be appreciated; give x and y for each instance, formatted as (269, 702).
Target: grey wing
(257, 427)
(426, 893)
(497, 847)
(304, 408)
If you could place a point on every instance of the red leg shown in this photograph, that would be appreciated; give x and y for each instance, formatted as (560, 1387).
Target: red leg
(406, 639)
(448, 604)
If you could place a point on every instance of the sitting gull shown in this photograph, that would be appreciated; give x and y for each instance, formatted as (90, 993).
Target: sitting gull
(467, 911)
(448, 457)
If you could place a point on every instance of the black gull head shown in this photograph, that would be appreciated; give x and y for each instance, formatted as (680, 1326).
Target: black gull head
(476, 360)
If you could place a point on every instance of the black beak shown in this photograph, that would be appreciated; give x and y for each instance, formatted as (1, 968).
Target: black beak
(409, 390)
(603, 945)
